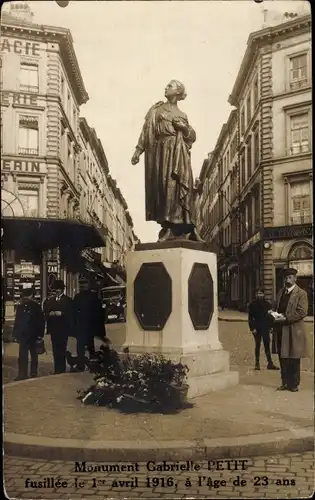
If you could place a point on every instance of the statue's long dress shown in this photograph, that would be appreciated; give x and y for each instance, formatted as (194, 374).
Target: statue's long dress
(168, 173)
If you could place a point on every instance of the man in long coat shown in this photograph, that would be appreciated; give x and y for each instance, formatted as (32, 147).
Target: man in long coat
(29, 326)
(90, 322)
(59, 314)
(291, 339)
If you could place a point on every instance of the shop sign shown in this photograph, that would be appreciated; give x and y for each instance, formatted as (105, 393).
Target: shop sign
(9, 281)
(281, 233)
(21, 47)
(254, 239)
(52, 267)
(24, 269)
(17, 98)
(21, 166)
(303, 267)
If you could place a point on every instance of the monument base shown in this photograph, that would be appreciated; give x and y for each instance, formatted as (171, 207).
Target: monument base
(208, 370)
(173, 310)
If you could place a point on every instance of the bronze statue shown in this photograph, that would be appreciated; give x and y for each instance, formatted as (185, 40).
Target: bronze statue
(166, 140)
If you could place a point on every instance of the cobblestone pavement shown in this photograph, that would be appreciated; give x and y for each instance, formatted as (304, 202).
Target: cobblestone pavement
(286, 476)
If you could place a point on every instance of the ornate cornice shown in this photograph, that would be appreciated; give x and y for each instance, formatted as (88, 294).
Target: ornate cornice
(52, 34)
(91, 136)
(257, 40)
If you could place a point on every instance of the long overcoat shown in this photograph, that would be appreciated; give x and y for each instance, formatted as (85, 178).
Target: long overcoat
(294, 340)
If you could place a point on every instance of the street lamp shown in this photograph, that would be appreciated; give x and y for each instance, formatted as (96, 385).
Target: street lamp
(62, 3)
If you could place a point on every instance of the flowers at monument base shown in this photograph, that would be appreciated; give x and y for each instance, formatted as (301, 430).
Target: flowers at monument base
(148, 382)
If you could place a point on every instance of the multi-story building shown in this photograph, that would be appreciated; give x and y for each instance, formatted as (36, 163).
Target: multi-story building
(272, 169)
(101, 201)
(44, 217)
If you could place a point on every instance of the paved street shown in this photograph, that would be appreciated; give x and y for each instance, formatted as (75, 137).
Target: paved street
(298, 468)
(234, 336)
(290, 476)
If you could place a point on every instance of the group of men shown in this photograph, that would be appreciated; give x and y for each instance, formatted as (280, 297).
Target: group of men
(62, 317)
(285, 320)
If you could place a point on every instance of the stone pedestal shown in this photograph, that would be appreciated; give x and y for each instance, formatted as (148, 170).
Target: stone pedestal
(172, 309)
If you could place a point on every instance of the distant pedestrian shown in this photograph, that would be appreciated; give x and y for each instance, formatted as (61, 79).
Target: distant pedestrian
(29, 327)
(291, 337)
(222, 299)
(260, 324)
(90, 322)
(59, 316)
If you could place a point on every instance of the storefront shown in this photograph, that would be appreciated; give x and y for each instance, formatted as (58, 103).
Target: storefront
(299, 255)
(32, 251)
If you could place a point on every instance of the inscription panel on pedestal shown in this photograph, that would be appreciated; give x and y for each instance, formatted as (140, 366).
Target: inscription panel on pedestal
(200, 296)
(153, 296)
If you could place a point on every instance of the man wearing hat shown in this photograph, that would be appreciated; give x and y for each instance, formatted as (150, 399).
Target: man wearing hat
(59, 315)
(90, 321)
(29, 326)
(291, 338)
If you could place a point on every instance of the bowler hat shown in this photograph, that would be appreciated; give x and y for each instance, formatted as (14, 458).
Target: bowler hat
(58, 285)
(289, 272)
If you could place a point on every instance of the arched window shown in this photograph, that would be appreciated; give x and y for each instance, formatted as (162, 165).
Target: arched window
(301, 252)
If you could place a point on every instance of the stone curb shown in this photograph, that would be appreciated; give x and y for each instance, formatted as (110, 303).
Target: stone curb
(293, 441)
(280, 442)
(245, 320)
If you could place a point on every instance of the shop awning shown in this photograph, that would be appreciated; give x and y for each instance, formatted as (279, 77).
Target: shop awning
(43, 234)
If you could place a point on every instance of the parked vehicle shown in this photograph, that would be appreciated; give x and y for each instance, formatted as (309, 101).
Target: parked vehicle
(114, 303)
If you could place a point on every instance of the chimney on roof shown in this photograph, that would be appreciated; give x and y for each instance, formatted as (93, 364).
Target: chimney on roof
(21, 10)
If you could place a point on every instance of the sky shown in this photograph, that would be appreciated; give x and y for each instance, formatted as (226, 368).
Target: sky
(128, 51)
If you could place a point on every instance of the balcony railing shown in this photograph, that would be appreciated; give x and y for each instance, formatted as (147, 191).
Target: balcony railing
(299, 148)
(29, 88)
(298, 84)
(302, 218)
(28, 151)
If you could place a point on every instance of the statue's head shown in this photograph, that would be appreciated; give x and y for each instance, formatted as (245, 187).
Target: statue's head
(175, 89)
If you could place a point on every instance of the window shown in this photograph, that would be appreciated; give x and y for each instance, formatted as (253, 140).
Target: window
(249, 159)
(29, 77)
(255, 93)
(300, 131)
(256, 148)
(300, 203)
(62, 88)
(298, 71)
(257, 211)
(30, 200)
(242, 121)
(74, 116)
(28, 135)
(249, 108)
(243, 178)
(69, 105)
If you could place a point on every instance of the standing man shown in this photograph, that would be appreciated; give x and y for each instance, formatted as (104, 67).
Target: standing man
(90, 322)
(259, 321)
(291, 338)
(59, 315)
(29, 325)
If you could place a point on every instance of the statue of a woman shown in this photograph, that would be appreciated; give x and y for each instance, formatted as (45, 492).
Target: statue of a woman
(166, 140)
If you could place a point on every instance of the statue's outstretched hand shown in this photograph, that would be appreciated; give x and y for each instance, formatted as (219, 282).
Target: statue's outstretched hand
(136, 157)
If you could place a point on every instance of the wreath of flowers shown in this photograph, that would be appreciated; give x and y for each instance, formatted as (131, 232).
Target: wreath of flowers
(150, 381)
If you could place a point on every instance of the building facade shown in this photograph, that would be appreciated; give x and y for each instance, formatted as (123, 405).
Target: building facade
(101, 201)
(271, 177)
(54, 203)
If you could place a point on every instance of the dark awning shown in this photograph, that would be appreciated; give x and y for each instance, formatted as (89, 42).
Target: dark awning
(43, 234)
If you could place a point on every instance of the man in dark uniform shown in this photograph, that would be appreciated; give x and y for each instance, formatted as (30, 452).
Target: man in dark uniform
(29, 325)
(260, 323)
(59, 315)
(90, 322)
(291, 337)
